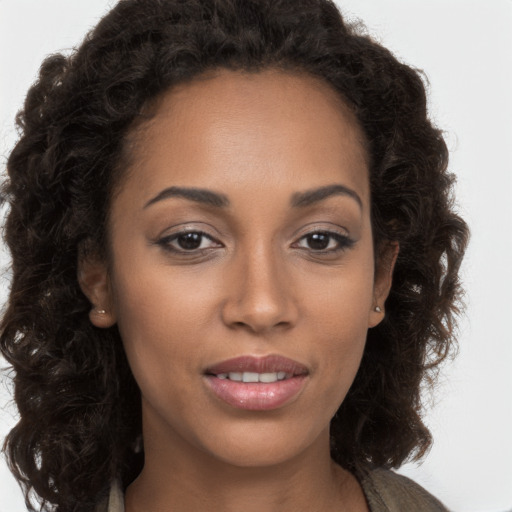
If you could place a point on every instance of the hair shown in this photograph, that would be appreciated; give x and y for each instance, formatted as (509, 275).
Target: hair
(80, 411)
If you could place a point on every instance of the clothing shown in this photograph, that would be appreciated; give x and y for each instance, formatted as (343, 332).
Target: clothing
(385, 491)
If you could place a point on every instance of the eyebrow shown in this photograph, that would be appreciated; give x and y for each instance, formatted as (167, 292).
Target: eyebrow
(309, 197)
(199, 195)
(218, 200)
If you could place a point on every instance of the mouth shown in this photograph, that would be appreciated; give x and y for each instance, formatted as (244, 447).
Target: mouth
(273, 367)
(255, 377)
(257, 384)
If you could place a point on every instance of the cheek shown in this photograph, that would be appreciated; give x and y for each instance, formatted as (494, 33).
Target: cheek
(159, 329)
(154, 301)
(341, 351)
(342, 300)
(338, 313)
(155, 320)
(167, 319)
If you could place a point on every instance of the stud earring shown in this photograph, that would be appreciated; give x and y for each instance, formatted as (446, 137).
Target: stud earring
(100, 311)
(377, 309)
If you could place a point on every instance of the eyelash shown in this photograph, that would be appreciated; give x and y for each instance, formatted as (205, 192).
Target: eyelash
(344, 242)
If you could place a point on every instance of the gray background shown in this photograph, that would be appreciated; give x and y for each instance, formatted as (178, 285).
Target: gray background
(464, 46)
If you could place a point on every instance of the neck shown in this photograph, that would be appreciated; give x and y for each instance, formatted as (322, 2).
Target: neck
(182, 477)
(293, 486)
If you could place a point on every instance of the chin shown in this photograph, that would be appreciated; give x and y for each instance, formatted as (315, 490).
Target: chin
(264, 445)
(256, 457)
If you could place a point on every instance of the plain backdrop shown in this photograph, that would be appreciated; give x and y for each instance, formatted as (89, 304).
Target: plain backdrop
(464, 46)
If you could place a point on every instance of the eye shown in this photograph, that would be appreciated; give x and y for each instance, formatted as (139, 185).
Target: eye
(188, 241)
(325, 241)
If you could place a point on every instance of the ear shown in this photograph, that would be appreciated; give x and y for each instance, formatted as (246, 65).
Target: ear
(384, 267)
(94, 281)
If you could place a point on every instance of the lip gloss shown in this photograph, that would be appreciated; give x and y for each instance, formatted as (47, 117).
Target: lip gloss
(256, 396)
(257, 384)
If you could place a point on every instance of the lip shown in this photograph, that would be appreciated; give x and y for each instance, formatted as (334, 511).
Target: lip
(257, 396)
(270, 363)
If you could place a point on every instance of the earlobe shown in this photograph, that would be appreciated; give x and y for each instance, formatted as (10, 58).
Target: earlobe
(383, 280)
(101, 317)
(94, 281)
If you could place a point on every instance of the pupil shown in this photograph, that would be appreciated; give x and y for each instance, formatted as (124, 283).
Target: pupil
(190, 240)
(318, 241)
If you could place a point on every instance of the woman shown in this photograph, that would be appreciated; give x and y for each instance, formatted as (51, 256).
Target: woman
(234, 262)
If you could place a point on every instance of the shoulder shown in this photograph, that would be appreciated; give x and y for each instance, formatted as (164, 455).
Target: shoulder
(387, 491)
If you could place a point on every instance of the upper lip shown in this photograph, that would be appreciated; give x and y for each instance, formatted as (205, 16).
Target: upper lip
(266, 364)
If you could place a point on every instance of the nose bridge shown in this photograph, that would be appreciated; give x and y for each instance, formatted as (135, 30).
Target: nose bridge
(261, 295)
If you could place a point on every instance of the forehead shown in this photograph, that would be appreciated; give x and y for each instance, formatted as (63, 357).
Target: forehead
(248, 129)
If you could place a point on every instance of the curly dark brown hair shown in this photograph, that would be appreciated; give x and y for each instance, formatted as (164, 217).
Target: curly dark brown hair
(79, 405)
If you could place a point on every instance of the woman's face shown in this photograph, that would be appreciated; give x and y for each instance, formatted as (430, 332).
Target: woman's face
(242, 248)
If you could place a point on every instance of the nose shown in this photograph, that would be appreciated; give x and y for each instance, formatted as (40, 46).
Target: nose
(260, 296)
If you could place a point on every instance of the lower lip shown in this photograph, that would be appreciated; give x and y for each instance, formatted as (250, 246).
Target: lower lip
(257, 396)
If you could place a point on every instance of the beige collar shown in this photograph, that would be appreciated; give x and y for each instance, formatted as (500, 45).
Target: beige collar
(116, 498)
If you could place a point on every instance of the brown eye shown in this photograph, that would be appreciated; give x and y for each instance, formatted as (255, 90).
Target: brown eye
(325, 241)
(318, 241)
(188, 241)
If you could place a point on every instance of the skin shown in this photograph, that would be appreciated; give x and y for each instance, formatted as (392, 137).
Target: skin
(257, 285)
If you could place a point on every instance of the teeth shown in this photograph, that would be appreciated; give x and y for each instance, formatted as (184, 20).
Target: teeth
(250, 377)
(268, 377)
(254, 377)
